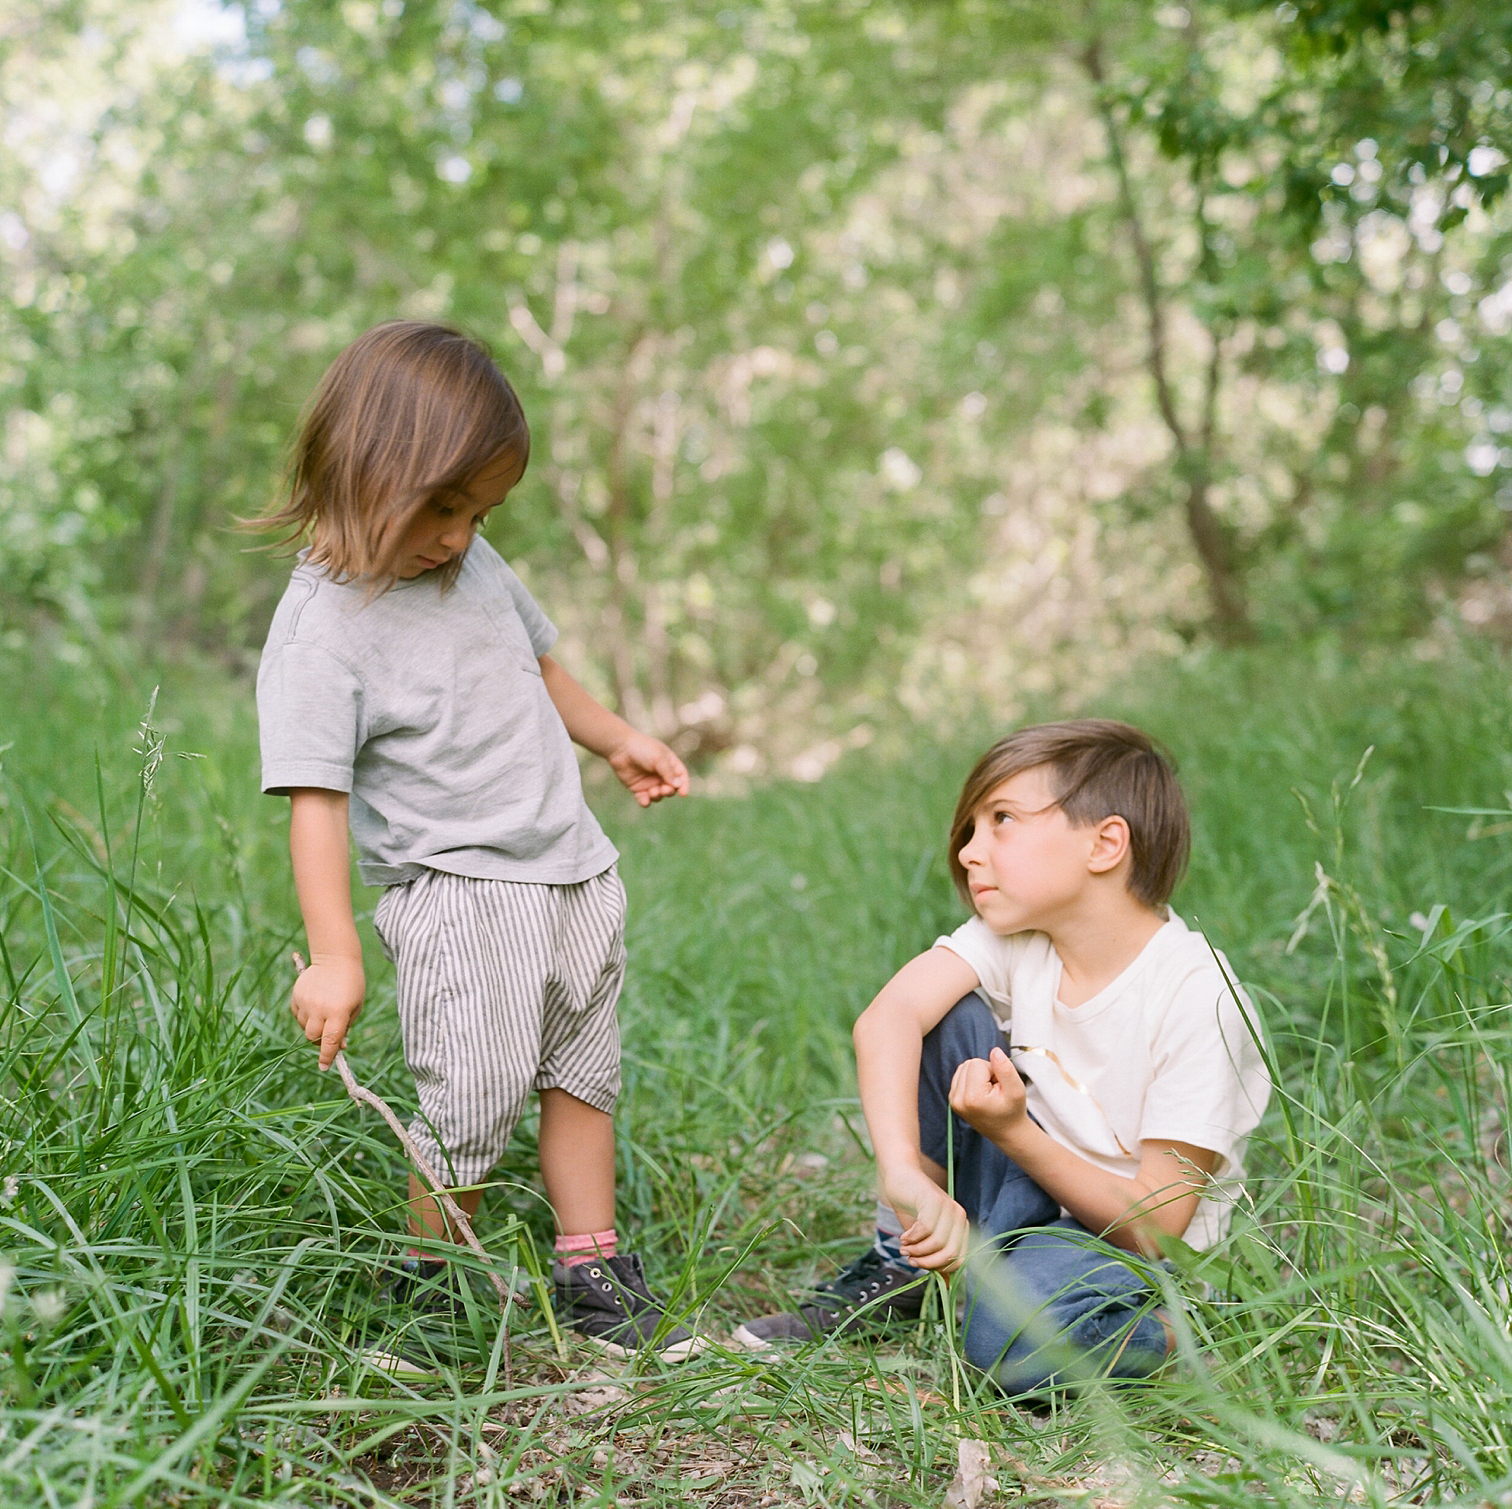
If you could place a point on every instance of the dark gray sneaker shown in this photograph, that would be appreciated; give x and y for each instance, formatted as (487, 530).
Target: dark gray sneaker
(424, 1286)
(607, 1302)
(419, 1328)
(869, 1292)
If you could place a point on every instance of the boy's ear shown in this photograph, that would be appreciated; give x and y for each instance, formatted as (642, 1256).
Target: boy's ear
(1110, 843)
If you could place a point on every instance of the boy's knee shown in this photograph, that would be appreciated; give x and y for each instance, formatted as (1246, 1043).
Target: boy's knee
(1075, 1271)
(967, 1030)
(1030, 1355)
(1003, 1314)
(1021, 1351)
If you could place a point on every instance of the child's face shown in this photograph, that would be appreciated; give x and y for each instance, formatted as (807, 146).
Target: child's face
(1026, 864)
(445, 529)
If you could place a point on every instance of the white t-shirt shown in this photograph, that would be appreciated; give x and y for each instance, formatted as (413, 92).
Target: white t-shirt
(1162, 1051)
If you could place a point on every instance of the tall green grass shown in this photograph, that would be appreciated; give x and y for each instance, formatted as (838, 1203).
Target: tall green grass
(192, 1218)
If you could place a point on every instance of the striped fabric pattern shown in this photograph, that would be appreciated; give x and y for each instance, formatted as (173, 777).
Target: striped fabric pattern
(504, 987)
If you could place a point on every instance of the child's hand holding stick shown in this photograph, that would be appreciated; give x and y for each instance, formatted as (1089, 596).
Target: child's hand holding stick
(422, 1165)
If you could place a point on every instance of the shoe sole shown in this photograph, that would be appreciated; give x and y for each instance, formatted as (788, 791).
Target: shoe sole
(746, 1338)
(678, 1351)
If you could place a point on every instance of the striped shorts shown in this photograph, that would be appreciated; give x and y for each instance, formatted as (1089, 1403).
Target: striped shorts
(504, 988)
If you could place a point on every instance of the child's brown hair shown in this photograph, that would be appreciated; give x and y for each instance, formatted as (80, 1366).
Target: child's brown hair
(1099, 768)
(408, 413)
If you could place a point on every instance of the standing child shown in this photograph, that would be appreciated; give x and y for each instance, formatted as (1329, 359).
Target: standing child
(1112, 1116)
(406, 687)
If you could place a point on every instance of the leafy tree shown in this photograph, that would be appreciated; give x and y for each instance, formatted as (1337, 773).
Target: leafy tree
(1340, 209)
(1304, 211)
(791, 292)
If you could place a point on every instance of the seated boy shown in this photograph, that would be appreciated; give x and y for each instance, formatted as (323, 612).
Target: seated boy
(1103, 1078)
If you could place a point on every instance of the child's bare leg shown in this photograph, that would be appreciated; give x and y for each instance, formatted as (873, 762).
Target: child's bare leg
(577, 1162)
(577, 1168)
(427, 1219)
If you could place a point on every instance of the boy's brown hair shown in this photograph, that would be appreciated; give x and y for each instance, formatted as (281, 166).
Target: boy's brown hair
(1099, 768)
(408, 413)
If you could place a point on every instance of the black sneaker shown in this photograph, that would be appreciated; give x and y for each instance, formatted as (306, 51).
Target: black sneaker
(415, 1333)
(424, 1286)
(871, 1291)
(606, 1301)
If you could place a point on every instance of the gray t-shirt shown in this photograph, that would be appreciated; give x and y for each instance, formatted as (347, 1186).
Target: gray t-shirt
(429, 708)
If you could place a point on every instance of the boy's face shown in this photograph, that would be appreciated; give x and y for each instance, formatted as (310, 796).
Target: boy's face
(1027, 866)
(444, 528)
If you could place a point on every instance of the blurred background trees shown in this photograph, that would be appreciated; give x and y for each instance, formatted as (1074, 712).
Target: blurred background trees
(885, 359)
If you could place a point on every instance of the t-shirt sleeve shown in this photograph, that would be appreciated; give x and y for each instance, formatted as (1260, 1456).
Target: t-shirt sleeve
(1209, 1085)
(541, 630)
(988, 954)
(309, 716)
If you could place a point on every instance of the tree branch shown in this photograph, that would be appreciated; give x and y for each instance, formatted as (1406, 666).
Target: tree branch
(1144, 254)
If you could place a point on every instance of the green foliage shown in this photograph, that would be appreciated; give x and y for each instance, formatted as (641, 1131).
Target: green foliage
(1355, 357)
(193, 1218)
(789, 290)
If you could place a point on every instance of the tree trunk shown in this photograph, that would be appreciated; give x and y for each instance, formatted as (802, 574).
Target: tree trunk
(1194, 449)
(623, 566)
(145, 611)
(1214, 549)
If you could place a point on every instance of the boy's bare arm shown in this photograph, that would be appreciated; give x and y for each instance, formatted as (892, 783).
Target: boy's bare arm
(1161, 1199)
(889, 1037)
(648, 769)
(328, 995)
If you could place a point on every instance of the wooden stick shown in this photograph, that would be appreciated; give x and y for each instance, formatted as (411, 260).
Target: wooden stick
(428, 1175)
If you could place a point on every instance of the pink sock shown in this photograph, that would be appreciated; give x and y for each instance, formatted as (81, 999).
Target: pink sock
(587, 1245)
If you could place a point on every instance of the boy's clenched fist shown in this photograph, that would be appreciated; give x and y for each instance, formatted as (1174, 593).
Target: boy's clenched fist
(988, 1095)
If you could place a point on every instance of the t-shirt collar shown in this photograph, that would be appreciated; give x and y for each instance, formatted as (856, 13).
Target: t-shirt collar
(1157, 943)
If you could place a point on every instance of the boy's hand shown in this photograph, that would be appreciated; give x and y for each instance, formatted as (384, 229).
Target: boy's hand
(327, 998)
(938, 1235)
(988, 1095)
(648, 770)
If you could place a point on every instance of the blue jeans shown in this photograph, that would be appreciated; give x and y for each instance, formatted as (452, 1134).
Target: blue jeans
(1058, 1304)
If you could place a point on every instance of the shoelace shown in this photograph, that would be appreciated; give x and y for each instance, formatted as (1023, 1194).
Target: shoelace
(627, 1301)
(828, 1295)
(610, 1289)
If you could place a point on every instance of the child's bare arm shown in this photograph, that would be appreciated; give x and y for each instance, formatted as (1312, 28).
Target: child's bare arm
(648, 769)
(328, 995)
(1161, 1199)
(889, 1037)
